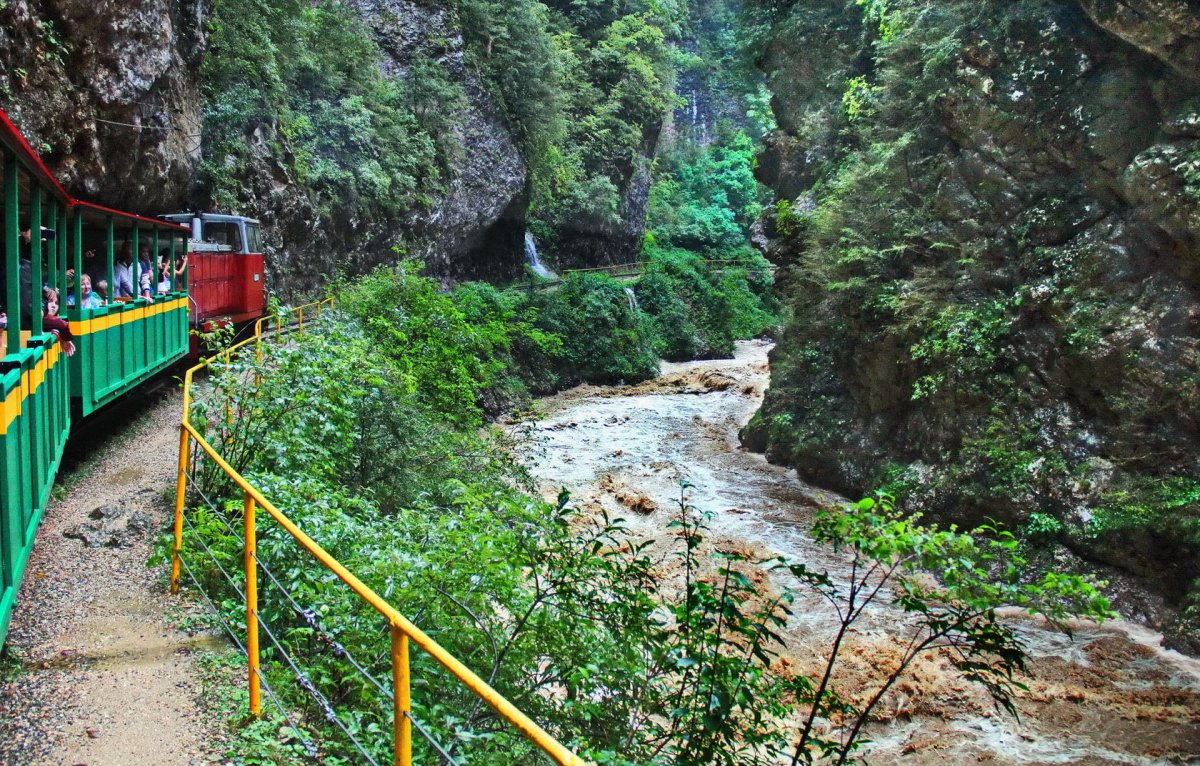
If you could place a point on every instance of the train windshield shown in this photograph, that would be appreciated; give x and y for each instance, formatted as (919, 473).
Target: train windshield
(224, 233)
(253, 238)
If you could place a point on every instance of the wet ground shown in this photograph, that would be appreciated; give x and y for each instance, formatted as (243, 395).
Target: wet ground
(1111, 695)
(94, 675)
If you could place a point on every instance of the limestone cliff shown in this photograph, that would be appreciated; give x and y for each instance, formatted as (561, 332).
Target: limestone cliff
(108, 94)
(155, 107)
(997, 292)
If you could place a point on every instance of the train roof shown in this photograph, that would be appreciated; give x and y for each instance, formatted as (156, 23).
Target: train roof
(215, 217)
(12, 139)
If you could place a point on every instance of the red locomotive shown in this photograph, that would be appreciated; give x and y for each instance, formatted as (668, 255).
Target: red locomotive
(226, 279)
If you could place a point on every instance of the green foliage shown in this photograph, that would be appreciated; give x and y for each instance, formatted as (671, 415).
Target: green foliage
(1043, 527)
(857, 98)
(616, 78)
(246, 741)
(454, 352)
(698, 308)
(964, 343)
(512, 44)
(954, 615)
(705, 199)
(704, 286)
(1166, 511)
(575, 623)
(344, 409)
(939, 313)
(605, 339)
(305, 79)
(1150, 502)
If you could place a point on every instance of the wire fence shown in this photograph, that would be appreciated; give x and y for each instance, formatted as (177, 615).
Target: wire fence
(231, 581)
(346, 712)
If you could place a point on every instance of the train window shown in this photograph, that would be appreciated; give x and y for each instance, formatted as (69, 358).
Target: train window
(224, 233)
(253, 238)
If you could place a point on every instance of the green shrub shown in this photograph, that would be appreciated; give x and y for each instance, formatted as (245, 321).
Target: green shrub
(604, 339)
(698, 308)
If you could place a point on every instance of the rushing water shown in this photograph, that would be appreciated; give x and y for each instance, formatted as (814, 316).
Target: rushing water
(535, 263)
(631, 296)
(1109, 696)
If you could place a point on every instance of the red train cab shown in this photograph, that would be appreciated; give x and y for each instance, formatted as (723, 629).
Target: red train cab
(226, 279)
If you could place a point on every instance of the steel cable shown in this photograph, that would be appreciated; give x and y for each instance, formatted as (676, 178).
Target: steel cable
(196, 486)
(213, 556)
(310, 618)
(204, 594)
(309, 748)
(308, 615)
(432, 742)
(306, 683)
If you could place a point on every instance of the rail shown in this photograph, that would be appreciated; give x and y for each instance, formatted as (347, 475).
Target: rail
(403, 633)
(635, 270)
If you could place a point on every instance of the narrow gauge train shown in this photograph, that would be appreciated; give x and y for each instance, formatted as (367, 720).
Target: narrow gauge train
(117, 345)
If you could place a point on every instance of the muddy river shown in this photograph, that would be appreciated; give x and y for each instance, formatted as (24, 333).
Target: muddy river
(1109, 696)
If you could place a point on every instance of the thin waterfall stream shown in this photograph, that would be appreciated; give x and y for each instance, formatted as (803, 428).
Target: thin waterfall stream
(534, 261)
(1110, 695)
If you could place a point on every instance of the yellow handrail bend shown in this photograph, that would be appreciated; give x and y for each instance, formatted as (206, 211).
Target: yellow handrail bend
(402, 631)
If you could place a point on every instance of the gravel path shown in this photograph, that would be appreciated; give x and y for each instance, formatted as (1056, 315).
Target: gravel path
(94, 675)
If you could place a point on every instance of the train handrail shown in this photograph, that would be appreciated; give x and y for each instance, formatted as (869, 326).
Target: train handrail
(402, 631)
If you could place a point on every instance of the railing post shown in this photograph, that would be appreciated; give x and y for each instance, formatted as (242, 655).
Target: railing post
(300, 311)
(180, 495)
(258, 358)
(402, 699)
(252, 606)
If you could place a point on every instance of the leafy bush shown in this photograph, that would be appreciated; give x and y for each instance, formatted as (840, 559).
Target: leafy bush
(706, 198)
(616, 77)
(605, 339)
(561, 612)
(459, 349)
(699, 308)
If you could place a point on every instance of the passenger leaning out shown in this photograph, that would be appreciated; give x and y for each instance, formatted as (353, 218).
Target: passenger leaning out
(167, 282)
(55, 324)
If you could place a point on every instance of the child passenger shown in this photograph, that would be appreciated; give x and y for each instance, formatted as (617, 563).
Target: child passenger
(53, 323)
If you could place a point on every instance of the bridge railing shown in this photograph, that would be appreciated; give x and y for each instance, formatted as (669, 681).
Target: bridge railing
(634, 270)
(403, 634)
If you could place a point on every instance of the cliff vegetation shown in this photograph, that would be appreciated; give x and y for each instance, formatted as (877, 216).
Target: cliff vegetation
(988, 226)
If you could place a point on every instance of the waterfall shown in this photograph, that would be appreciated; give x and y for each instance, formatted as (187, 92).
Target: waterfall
(633, 304)
(535, 263)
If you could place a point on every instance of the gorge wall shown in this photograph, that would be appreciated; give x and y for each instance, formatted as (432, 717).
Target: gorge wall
(989, 228)
(108, 94)
(359, 132)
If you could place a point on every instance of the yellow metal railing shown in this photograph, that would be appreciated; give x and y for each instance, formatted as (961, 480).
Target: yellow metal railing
(403, 633)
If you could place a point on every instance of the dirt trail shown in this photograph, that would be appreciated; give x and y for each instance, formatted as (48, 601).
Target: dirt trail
(1111, 696)
(102, 679)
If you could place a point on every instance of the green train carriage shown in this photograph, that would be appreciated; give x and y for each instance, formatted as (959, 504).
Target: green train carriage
(117, 346)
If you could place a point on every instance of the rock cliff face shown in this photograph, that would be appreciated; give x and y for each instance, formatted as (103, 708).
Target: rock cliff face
(997, 297)
(108, 93)
(111, 95)
(474, 229)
